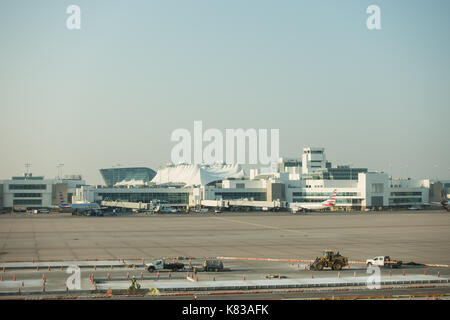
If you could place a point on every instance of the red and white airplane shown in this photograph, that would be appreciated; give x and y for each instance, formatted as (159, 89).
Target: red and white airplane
(444, 201)
(307, 206)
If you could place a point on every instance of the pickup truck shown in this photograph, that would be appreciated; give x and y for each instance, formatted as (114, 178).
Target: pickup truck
(163, 265)
(383, 261)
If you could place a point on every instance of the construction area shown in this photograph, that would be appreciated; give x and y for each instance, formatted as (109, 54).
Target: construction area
(232, 256)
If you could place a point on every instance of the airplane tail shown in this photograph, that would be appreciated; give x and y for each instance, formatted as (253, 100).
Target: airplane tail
(330, 202)
(443, 197)
(62, 203)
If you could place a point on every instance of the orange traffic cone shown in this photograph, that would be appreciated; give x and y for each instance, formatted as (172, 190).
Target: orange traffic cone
(425, 272)
(109, 292)
(157, 275)
(196, 278)
(14, 277)
(143, 262)
(1, 278)
(243, 277)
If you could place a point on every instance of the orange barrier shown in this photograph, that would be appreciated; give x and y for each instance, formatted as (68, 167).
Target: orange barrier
(308, 260)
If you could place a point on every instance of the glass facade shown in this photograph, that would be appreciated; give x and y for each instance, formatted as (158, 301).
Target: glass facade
(338, 173)
(405, 200)
(257, 196)
(27, 187)
(405, 194)
(146, 197)
(27, 195)
(113, 175)
(323, 194)
(25, 202)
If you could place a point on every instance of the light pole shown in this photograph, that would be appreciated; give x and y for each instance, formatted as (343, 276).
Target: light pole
(59, 166)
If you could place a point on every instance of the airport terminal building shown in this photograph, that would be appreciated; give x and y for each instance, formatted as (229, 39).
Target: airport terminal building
(28, 191)
(305, 180)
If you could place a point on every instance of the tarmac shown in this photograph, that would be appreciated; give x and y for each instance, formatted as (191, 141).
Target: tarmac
(252, 245)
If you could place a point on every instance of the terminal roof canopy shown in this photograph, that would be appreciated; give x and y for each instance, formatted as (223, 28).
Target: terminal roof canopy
(195, 174)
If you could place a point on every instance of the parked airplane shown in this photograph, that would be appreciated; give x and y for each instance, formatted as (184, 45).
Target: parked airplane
(79, 207)
(306, 206)
(444, 201)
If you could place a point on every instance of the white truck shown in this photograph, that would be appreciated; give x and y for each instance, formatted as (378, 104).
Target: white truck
(383, 261)
(163, 265)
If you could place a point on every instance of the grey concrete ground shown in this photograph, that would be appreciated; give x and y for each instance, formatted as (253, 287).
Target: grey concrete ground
(409, 236)
(57, 241)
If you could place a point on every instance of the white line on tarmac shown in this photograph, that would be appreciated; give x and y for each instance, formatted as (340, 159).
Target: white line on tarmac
(260, 225)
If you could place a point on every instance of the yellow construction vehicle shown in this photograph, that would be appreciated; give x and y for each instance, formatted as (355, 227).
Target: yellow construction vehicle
(330, 259)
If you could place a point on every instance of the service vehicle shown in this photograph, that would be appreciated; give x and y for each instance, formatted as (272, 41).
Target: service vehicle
(161, 264)
(330, 259)
(212, 265)
(383, 261)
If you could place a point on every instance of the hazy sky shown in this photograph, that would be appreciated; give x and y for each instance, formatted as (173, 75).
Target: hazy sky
(112, 92)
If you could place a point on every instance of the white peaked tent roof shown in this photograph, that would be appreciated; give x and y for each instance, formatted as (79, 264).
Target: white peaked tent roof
(195, 174)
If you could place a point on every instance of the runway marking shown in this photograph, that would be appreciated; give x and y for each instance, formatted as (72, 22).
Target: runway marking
(260, 225)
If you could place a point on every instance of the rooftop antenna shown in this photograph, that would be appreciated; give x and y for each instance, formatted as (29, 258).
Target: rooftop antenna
(59, 166)
(27, 166)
